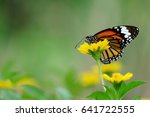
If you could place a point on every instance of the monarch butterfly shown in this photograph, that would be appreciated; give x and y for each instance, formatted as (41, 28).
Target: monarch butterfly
(119, 37)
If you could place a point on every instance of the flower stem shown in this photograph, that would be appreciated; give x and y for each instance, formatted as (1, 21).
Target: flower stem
(96, 56)
(100, 73)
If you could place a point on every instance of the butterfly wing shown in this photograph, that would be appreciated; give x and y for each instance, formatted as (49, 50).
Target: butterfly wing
(113, 53)
(119, 37)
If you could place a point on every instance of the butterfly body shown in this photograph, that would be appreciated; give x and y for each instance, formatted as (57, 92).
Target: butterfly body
(119, 37)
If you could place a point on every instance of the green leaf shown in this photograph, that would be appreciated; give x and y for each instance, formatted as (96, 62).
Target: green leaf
(123, 85)
(62, 93)
(33, 92)
(99, 95)
(6, 94)
(137, 98)
(117, 86)
(111, 92)
(7, 71)
(71, 82)
(126, 88)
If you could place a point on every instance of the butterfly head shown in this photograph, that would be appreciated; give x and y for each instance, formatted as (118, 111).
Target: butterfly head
(90, 39)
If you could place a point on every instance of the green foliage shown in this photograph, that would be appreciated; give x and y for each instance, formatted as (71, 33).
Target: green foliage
(72, 83)
(6, 94)
(70, 90)
(99, 95)
(8, 72)
(18, 92)
(137, 98)
(111, 92)
(31, 92)
(125, 88)
(116, 91)
(62, 93)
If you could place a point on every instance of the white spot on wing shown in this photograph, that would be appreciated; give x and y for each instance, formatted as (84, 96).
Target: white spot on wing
(125, 31)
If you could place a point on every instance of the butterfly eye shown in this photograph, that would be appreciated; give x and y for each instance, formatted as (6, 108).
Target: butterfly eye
(87, 37)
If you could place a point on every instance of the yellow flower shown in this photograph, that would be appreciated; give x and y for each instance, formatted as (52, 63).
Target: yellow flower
(85, 47)
(26, 81)
(10, 85)
(113, 67)
(6, 84)
(89, 78)
(117, 77)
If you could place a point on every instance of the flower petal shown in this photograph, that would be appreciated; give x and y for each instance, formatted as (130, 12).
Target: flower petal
(84, 48)
(94, 47)
(117, 77)
(106, 77)
(127, 76)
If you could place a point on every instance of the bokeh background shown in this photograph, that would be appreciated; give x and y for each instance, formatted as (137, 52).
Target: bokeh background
(37, 39)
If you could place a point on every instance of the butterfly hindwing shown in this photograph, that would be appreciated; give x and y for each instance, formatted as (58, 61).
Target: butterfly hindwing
(110, 55)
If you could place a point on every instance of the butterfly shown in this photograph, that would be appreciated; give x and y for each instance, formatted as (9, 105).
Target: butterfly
(119, 37)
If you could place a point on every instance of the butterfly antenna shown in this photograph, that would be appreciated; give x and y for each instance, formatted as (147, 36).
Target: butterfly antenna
(79, 43)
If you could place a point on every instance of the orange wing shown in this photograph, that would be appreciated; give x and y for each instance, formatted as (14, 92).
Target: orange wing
(119, 37)
(105, 34)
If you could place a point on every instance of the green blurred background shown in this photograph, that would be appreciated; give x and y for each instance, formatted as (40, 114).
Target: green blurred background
(38, 37)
